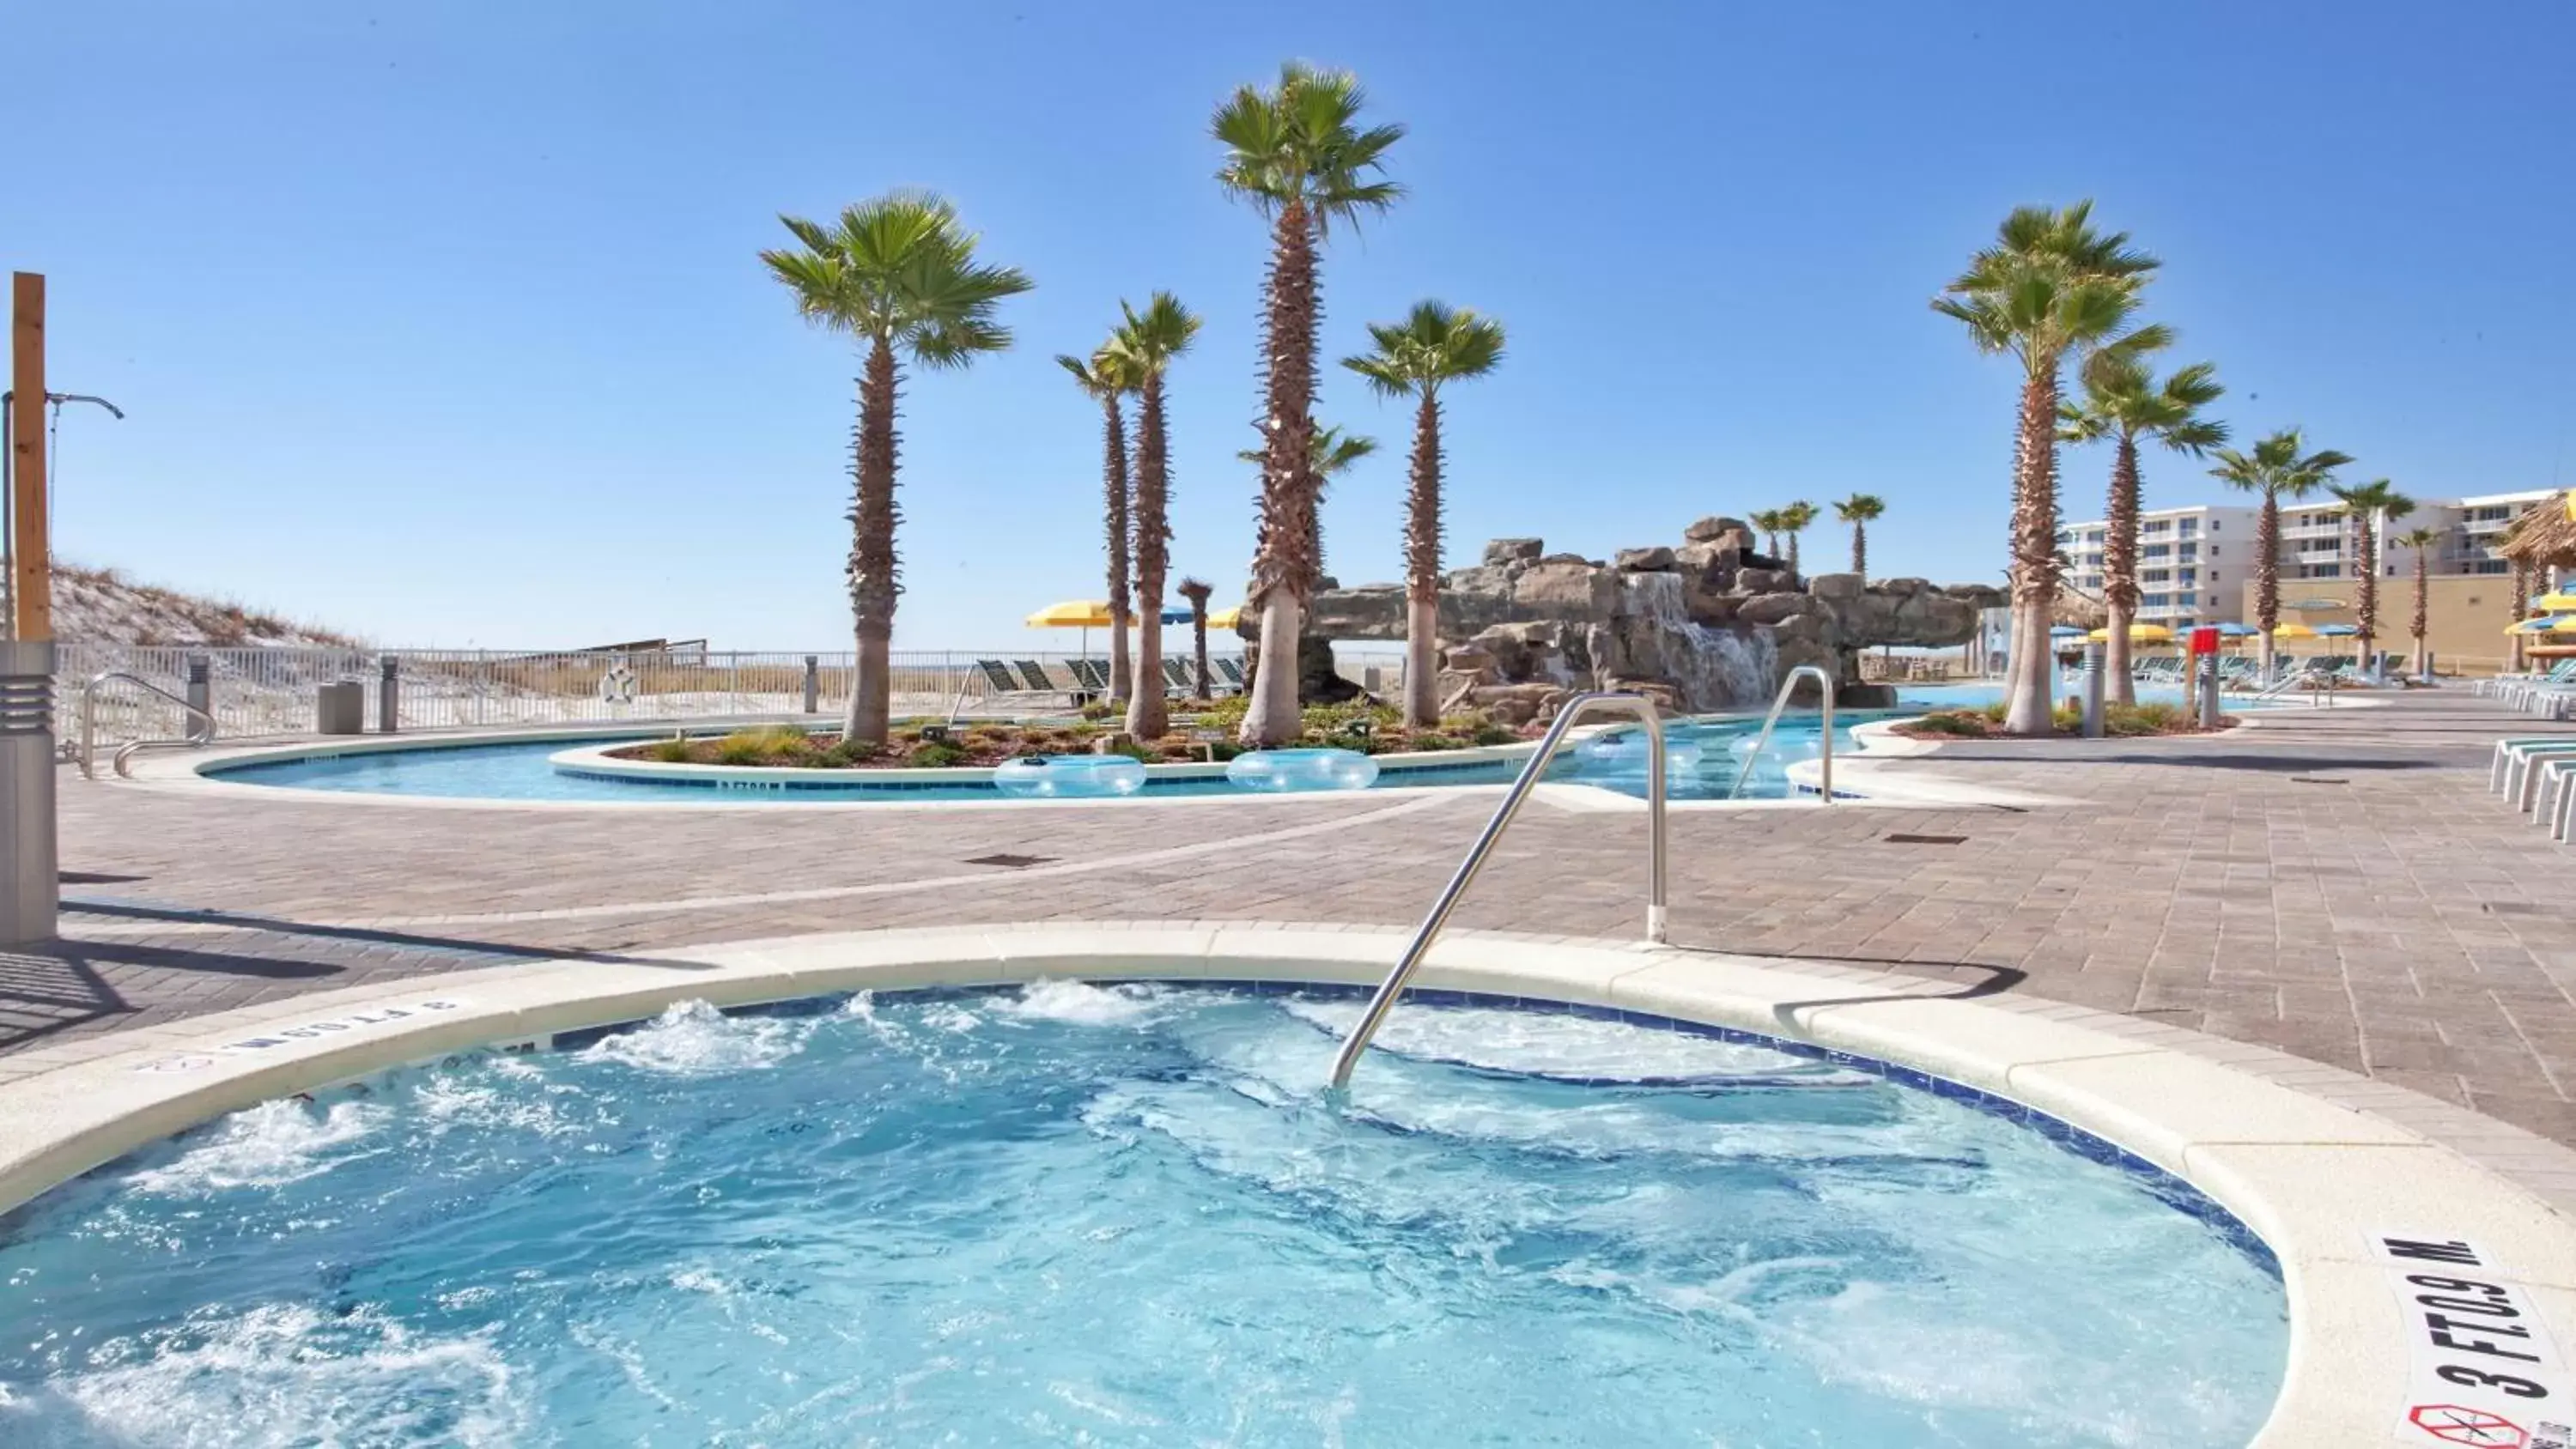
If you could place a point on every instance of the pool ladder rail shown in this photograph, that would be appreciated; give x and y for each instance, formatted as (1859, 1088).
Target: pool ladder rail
(200, 733)
(1392, 988)
(1824, 732)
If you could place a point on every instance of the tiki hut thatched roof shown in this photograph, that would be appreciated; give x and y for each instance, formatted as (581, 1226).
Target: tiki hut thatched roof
(2544, 537)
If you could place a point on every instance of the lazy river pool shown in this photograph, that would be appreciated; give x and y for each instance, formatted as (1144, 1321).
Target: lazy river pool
(1078, 1214)
(1708, 756)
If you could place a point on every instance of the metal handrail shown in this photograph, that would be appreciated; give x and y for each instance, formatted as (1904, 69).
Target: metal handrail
(1762, 741)
(1573, 710)
(89, 721)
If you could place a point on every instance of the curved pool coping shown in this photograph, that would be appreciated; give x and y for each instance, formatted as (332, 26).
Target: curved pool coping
(1865, 779)
(2258, 1132)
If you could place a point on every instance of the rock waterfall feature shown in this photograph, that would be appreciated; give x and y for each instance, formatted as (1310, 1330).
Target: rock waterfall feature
(1703, 626)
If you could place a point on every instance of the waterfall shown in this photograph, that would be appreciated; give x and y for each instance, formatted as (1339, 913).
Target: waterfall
(1713, 669)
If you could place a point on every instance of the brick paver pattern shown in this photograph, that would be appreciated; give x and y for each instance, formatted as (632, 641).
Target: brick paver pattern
(2334, 882)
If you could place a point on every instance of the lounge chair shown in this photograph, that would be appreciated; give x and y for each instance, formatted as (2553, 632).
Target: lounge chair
(1231, 671)
(1040, 680)
(1091, 676)
(1181, 678)
(1004, 686)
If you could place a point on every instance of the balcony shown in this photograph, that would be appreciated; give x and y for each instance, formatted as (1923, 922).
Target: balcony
(2318, 556)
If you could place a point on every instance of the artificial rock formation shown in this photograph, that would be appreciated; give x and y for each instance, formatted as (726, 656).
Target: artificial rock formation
(1707, 625)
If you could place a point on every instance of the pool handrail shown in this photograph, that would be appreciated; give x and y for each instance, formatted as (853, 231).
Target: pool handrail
(1824, 733)
(88, 755)
(1570, 713)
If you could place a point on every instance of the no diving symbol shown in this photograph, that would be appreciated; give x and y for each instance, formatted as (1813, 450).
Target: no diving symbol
(2453, 1424)
(617, 685)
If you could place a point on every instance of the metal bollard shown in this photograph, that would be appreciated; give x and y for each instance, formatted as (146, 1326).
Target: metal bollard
(2093, 661)
(201, 691)
(813, 684)
(2209, 691)
(30, 889)
(388, 694)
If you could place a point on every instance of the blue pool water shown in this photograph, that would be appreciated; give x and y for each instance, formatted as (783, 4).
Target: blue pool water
(521, 772)
(1128, 1216)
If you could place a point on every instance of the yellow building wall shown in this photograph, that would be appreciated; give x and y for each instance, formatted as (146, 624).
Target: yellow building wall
(2465, 616)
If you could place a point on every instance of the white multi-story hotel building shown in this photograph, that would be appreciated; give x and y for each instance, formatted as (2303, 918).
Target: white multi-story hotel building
(2193, 563)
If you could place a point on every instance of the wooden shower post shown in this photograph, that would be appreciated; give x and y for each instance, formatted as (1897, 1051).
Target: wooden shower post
(31, 558)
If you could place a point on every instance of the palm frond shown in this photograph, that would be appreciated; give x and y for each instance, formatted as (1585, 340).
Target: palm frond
(1301, 141)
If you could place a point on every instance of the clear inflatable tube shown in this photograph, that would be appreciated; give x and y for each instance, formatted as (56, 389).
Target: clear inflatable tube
(1280, 771)
(1069, 777)
(1626, 749)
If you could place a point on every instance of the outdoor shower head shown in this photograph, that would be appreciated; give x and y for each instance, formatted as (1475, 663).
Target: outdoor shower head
(60, 398)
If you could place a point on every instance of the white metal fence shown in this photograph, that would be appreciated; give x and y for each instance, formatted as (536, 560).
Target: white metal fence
(276, 691)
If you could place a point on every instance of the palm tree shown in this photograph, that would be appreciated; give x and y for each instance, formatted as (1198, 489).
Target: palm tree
(2051, 288)
(2369, 503)
(1330, 452)
(1197, 591)
(1298, 153)
(1858, 510)
(1109, 377)
(1434, 345)
(2123, 402)
(2276, 470)
(899, 275)
(2520, 594)
(1767, 522)
(2421, 540)
(1146, 345)
(1796, 519)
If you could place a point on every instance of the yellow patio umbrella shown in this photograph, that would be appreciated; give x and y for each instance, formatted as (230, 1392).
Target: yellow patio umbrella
(1226, 618)
(2561, 624)
(1076, 614)
(2138, 634)
(1083, 614)
(2292, 630)
(2555, 603)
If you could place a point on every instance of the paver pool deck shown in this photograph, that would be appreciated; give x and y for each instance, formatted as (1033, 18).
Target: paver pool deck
(2334, 883)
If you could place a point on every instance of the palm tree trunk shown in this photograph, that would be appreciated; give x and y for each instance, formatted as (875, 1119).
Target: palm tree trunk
(2415, 626)
(1148, 716)
(2120, 568)
(2365, 590)
(1860, 547)
(1422, 570)
(1198, 633)
(2521, 606)
(2034, 580)
(872, 581)
(2267, 577)
(1793, 550)
(1274, 676)
(1284, 569)
(1115, 484)
(1771, 543)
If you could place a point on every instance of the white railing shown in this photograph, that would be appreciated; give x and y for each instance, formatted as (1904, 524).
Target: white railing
(253, 692)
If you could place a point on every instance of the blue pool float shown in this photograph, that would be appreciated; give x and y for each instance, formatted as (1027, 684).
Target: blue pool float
(1069, 777)
(1278, 771)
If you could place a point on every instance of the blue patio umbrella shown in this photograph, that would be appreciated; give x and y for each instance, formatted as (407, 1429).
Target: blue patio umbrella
(2337, 630)
(1172, 615)
(2065, 631)
(2236, 631)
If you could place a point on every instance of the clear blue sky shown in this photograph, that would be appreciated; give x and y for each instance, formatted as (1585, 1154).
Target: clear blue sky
(441, 322)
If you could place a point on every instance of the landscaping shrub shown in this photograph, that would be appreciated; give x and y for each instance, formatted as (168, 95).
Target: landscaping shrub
(762, 746)
(1963, 723)
(670, 752)
(850, 752)
(936, 755)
